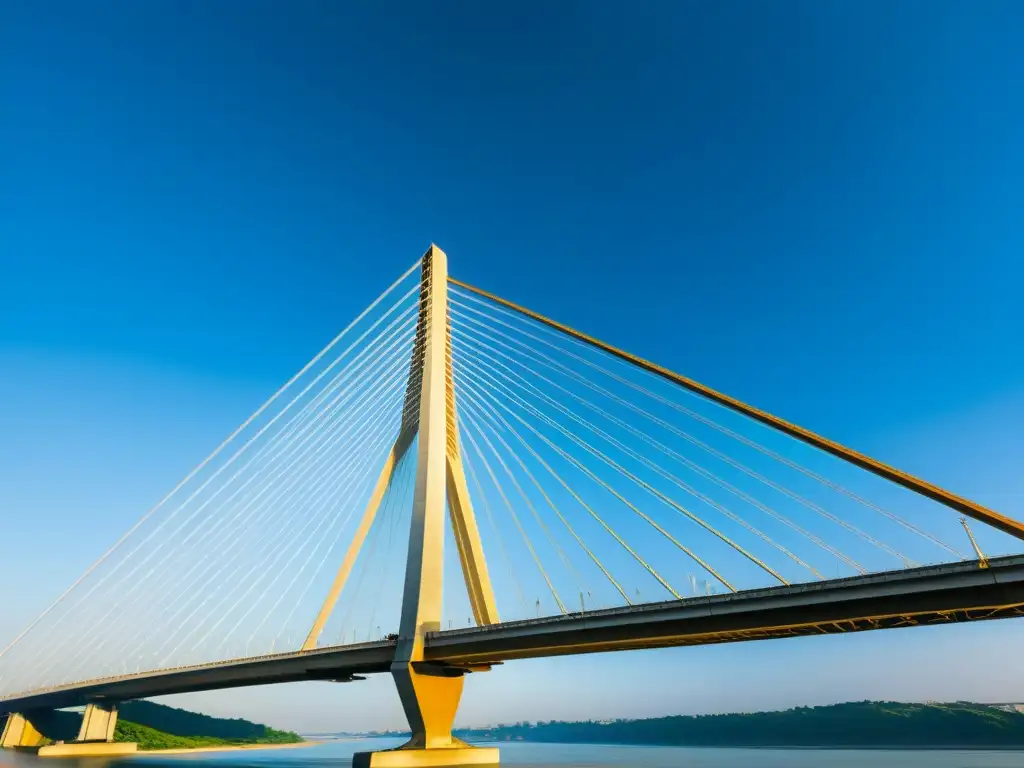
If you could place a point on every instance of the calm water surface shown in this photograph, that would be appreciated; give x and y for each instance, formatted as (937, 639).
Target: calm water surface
(562, 756)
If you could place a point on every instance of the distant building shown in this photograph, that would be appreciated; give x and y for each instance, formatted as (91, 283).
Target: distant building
(1012, 707)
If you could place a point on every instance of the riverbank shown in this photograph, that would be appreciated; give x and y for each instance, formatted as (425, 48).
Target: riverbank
(226, 748)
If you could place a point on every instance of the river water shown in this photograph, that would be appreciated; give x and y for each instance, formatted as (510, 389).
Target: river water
(339, 753)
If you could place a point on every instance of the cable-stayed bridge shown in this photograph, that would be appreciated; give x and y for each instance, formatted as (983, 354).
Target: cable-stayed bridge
(455, 482)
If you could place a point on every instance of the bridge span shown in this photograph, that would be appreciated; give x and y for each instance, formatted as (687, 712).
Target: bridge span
(937, 594)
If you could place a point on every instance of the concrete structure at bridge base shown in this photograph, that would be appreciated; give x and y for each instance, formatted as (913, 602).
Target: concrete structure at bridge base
(430, 696)
(98, 723)
(95, 736)
(19, 733)
(455, 756)
(88, 749)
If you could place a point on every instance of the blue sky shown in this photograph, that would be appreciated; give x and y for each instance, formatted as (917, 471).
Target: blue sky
(812, 207)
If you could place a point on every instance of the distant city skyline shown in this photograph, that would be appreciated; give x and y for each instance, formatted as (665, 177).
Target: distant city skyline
(814, 208)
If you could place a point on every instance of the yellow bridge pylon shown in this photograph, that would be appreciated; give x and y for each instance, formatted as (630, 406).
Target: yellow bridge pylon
(430, 693)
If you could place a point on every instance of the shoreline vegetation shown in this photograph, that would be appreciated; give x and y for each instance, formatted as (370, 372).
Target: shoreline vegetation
(855, 725)
(159, 728)
(155, 740)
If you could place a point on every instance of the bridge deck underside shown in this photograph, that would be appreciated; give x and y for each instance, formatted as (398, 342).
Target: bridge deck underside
(740, 618)
(930, 595)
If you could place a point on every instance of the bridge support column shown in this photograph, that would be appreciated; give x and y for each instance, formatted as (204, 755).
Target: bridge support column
(98, 723)
(95, 736)
(430, 697)
(19, 732)
(430, 693)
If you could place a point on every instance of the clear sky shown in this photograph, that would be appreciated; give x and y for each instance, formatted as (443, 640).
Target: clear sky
(815, 207)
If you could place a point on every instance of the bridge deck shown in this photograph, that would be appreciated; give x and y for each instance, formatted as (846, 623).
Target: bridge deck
(932, 594)
(927, 595)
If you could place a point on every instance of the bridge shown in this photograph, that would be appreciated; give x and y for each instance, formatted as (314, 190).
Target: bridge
(626, 507)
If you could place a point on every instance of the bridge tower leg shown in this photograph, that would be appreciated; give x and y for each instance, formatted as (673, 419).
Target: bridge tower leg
(429, 692)
(19, 732)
